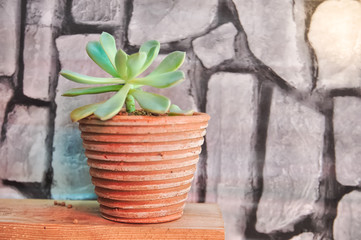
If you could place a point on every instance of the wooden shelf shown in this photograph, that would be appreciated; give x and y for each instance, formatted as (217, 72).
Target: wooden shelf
(41, 219)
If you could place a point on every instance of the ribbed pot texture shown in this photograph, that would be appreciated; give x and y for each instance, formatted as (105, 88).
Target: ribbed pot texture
(142, 166)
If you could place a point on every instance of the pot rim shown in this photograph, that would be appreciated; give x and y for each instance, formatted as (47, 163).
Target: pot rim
(147, 120)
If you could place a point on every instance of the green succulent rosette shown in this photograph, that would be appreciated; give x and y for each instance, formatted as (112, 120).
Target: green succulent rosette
(125, 81)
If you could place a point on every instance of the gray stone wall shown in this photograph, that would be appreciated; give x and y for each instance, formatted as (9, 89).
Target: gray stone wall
(281, 80)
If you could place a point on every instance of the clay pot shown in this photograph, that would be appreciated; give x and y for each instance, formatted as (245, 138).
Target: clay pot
(142, 166)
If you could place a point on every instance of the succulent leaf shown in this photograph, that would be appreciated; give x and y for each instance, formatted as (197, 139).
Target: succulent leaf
(98, 55)
(151, 48)
(113, 105)
(80, 78)
(108, 43)
(151, 102)
(164, 80)
(170, 63)
(92, 90)
(174, 110)
(84, 111)
(135, 63)
(121, 59)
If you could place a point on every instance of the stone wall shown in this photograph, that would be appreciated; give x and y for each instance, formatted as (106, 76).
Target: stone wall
(281, 80)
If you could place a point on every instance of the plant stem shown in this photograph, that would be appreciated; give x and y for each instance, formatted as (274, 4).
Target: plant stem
(130, 103)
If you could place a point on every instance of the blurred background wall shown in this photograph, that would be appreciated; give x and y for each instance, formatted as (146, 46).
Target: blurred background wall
(281, 80)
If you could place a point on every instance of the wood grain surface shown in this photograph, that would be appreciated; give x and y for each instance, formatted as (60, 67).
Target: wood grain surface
(42, 219)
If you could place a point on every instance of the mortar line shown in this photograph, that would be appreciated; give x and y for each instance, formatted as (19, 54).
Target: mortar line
(329, 189)
(256, 165)
(128, 13)
(201, 102)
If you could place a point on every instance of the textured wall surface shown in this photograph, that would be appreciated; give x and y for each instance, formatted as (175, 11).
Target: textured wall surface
(281, 80)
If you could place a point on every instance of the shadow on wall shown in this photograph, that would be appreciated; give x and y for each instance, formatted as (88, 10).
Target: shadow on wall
(281, 80)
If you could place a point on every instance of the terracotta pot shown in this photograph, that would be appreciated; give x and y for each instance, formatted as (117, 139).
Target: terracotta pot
(142, 166)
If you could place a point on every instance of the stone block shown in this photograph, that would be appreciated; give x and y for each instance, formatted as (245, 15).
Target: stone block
(42, 19)
(347, 225)
(10, 193)
(105, 12)
(292, 164)
(168, 21)
(71, 173)
(229, 145)
(6, 92)
(232, 204)
(9, 41)
(347, 112)
(304, 236)
(39, 62)
(24, 152)
(334, 34)
(45, 13)
(275, 32)
(231, 127)
(216, 46)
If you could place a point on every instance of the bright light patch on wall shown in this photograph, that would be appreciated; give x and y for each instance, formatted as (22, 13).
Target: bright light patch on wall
(335, 35)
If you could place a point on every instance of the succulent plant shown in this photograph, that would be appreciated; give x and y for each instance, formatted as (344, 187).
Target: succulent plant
(126, 81)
